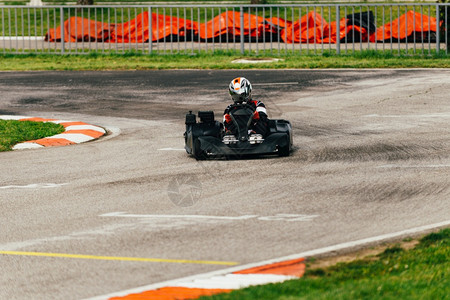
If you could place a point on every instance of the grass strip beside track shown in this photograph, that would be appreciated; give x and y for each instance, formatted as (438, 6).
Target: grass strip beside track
(419, 273)
(218, 60)
(13, 132)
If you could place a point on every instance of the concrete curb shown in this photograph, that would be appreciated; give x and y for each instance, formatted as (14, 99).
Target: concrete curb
(289, 267)
(75, 133)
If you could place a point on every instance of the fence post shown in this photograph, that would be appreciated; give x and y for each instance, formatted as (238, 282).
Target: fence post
(438, 31)
(150, 30)
(242, 29)
(338, 30)
(61, 12)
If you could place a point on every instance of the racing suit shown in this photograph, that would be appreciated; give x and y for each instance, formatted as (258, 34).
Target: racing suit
(259, 124)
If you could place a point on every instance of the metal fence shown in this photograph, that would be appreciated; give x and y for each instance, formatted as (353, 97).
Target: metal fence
(248, 29)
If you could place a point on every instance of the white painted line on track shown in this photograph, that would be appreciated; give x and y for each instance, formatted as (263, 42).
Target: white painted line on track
(125, 215)
(34, 186)
(234, 281)
(315, 252)
(277, 217)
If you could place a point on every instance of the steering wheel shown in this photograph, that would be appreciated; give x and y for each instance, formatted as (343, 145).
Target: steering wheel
(242, 105)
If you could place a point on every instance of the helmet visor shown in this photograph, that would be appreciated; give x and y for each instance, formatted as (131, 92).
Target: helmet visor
(238, 98)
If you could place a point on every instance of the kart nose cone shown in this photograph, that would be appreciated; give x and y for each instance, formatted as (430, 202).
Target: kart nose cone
(243, 138)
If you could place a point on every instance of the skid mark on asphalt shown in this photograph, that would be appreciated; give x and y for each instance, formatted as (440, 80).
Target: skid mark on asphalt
(136, 222)
(171, 149)
(373, 152)
(119, 258)
(276, 83)
(415, 166)
(417, 116)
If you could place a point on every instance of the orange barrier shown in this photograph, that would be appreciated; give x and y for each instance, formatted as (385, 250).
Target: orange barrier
(311, 28)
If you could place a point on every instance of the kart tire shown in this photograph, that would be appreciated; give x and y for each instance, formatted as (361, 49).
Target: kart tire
(199, 154)
(284, 150)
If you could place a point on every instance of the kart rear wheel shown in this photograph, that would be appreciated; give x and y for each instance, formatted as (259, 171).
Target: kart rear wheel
(284, 150)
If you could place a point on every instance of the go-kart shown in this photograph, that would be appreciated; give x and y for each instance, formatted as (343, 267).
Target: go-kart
(207, 138)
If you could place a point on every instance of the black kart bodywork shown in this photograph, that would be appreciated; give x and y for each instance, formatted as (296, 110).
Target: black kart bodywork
(207, 137)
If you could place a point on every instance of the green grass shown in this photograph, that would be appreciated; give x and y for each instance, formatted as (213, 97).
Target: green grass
(419, 273)
(13, 132)
(218, 60)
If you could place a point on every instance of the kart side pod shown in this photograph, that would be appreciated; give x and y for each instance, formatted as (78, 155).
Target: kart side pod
(206, 127)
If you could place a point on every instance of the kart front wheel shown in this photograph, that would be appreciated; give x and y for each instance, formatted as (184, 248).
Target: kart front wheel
(284, 150)
(199, 154)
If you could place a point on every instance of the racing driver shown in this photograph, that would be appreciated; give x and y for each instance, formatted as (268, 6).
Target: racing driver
(241, 92)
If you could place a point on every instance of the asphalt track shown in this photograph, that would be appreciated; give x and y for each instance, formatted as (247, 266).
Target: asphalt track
(131, 209)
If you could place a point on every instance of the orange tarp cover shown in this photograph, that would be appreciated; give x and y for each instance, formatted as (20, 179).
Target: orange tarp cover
(229, 23)
(79, 29)
(137, 30)
(405, 26)
(311, 28)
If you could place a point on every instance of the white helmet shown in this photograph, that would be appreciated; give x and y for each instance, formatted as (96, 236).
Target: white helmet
(240, 90)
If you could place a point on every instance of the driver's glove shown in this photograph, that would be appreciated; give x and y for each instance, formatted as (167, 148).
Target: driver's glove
(228, 122)
(256, 116)
(227, 118)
